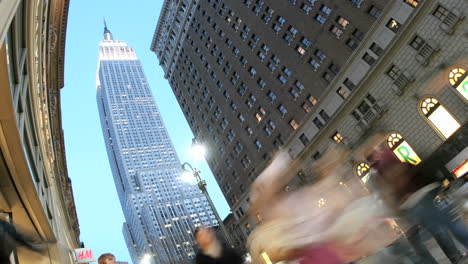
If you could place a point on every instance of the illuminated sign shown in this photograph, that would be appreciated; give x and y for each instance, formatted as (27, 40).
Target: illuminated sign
(461, 169)
(405, 153)
(266, 258)
(463, 87)
(84, 255)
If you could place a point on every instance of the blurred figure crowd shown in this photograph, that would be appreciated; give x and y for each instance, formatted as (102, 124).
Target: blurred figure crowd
(324, 223)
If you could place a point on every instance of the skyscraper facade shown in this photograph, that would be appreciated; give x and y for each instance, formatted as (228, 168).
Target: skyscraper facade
(160, 209)
(248, 73)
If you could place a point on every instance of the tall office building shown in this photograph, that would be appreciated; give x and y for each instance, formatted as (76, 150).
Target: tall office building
(160, 209)
(248, 73)
(254, 75)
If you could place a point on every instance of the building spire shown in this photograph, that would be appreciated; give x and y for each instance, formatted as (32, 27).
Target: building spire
(107, 33)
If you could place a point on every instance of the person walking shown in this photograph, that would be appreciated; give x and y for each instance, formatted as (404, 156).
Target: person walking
(407, 192)
(212, 251)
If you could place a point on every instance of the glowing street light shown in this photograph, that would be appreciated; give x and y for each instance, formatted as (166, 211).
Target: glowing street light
(146, 259)
(189, 174)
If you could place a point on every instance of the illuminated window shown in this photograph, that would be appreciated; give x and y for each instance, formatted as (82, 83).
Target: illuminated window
(402, 149)
(362, 170)
(337, 137)
(413, 3)
(458, 78)
(393, 25)
(293, 124)
(440, 118)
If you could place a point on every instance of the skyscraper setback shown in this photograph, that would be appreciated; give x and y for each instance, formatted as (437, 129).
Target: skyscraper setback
(160, 209)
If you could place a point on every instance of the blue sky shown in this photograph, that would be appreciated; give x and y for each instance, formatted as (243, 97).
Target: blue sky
(98, 207)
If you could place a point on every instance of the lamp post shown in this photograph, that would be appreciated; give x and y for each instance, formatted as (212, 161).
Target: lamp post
(202, 186)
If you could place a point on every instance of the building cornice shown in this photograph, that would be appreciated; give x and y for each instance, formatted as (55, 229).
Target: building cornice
(161, 22)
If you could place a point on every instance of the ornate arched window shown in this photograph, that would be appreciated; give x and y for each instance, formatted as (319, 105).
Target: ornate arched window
(439, 117)
(458, 78)
(362, 171)
(402, 149)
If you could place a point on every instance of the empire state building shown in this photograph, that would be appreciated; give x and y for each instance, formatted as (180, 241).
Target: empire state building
(160, 209)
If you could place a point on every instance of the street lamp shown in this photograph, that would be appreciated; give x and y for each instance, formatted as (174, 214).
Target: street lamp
(146, 259)
(199, 151)
(202, 186)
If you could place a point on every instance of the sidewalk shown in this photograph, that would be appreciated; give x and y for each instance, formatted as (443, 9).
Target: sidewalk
(385, 256)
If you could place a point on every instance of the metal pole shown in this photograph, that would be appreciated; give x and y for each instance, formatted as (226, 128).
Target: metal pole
(202, 186)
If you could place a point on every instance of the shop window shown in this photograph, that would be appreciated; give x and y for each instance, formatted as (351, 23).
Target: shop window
(458, 78)
(362, 171)
(439, 117)
(402, 149)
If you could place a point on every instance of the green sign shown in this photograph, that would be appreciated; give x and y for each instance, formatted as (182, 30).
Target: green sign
(463, 87)
(406, 154)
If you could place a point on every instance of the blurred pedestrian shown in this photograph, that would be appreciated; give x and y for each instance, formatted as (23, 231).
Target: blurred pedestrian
(10, 238)
(312, 224)
(212, 251)
(107, 258)
(406, 191)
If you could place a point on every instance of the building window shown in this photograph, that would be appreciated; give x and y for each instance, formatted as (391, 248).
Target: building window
(315, 65)
(321, 19)
(320, 54)
(307, 107)
(281, 20)
(287, 71)
(325, 9)
(417, 43)
(458, 78)
(303, 138)
(394, 72)
(358, 34)
(376, 49)
(337, 137)
(324, 115)
(306, 8)
(368, 59)
(312, 100)
(306, 42)
(252, 71)
(413, 3)
(318, 123)
(441, 12)
(362, 171)
(293, 93)
(343, 93)
(282, 109)
(299, 85)
(293, 30)
(342, 21)
(334, 68)
(241, 117)
(261, 83)
(272, 96)
(336, 31)
(300, 50)
(267, 131)
(271, 66)
(439, 117)
(293, 124)
(327, 76)
(402, 149)
(287, 38)
(352, 44)
(393, 25)
(374, 11)
(258, 144)
(349, 84)
(282, 79)
(249, 130)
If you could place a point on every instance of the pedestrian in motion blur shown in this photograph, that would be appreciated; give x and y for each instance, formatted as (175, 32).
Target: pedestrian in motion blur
(411, 194)
(107, 258)
(311, 225)
(10, 238)
(212, 251)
